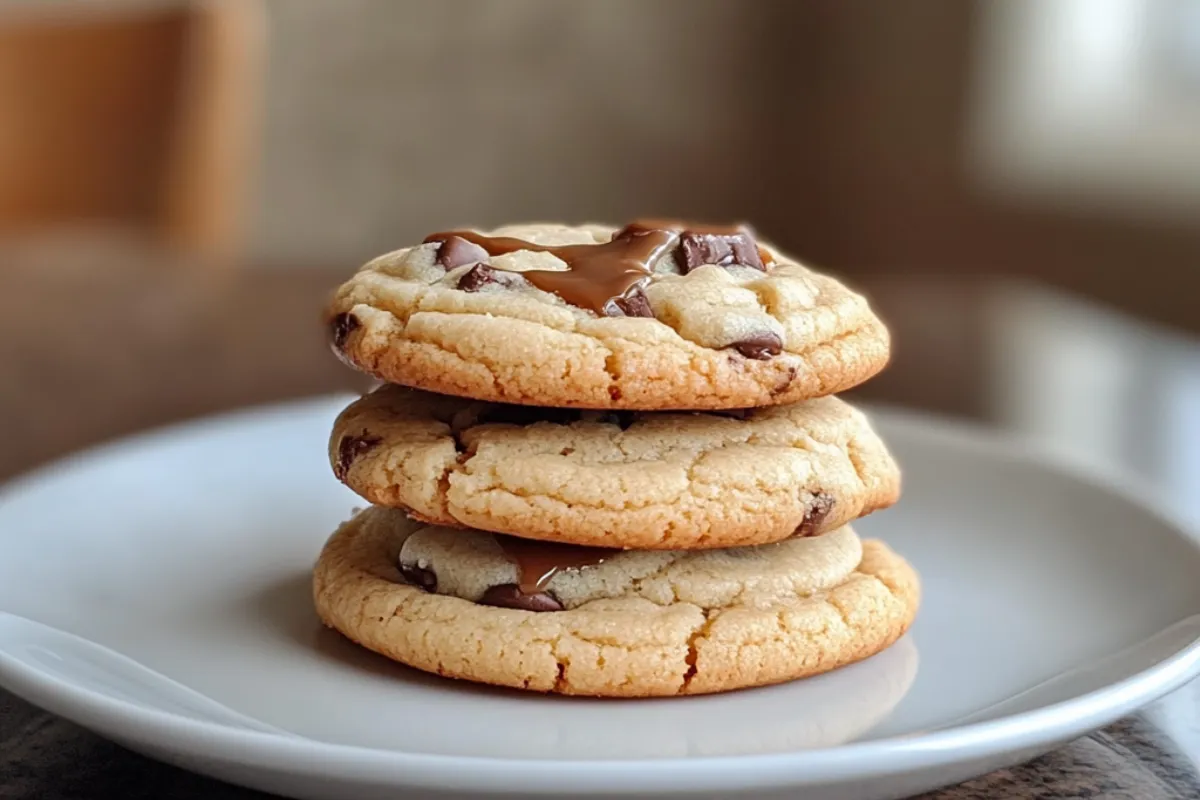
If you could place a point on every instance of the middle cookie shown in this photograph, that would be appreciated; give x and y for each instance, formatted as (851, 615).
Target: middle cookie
(643, 480)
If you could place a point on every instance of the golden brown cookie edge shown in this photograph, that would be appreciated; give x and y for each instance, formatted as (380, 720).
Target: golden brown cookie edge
(358, 591)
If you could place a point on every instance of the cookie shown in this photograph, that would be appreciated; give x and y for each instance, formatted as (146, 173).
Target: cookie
(656, 315)
(616, 479)
(790, 618)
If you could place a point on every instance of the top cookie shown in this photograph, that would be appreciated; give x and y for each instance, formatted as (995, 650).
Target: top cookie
(655, 315)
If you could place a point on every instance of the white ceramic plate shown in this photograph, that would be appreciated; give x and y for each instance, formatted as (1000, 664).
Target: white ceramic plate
(1053, 604)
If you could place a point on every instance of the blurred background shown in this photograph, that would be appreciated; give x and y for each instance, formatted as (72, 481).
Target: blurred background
(1016, 184)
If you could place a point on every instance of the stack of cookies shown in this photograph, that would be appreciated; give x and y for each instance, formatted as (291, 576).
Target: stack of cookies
(610, 462)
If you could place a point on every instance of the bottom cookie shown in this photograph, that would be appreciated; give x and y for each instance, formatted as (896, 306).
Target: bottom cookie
(664, 633)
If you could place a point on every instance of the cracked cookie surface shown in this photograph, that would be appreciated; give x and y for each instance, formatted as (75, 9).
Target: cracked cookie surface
(623, 646)
(743, 331)
(630, 480)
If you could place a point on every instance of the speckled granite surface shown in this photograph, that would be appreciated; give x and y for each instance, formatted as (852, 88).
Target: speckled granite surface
(159, 344)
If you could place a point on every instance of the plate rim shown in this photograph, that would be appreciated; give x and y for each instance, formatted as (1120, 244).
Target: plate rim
(1041, 727)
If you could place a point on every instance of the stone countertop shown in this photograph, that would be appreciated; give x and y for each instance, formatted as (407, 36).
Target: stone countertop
(95, 351)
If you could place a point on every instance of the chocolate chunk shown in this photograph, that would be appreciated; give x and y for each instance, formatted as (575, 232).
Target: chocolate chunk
(419, 577)
(349, 449)
(340, 328)
(785, 382)
(818, 511)
(760, 347)
(509, 595)
(698, 249)
(481, 275)
(456, 251)
(633, 303)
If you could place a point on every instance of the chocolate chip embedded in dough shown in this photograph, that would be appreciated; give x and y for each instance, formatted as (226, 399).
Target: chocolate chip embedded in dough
(482, 275)
(818, 511)
(785, 381)
(350, 448)
(698, 249)
(509, 595)
(420, 577)
(340, 328)
(633, 304)
(760, 347)
(455, 251)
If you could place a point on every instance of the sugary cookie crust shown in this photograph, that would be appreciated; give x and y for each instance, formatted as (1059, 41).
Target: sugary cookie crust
(644, 481)
(624, 647)
(403, 319)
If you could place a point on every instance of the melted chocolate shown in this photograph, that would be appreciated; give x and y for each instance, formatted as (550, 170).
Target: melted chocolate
(538, 562)
(606, 277)
(350, 448)
(598, 273)
(633, 304)
(340, 328)
(760, 347)
(481, 275)
(419, 576)
(819, 510)
(698, 249)
(509, 595)
(456, 251)
(725, 245)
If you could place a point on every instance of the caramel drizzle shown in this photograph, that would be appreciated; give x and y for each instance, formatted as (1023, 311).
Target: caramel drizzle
(537, 562)
(598, 273)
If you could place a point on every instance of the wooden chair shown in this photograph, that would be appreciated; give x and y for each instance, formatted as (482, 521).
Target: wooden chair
(135, 117)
